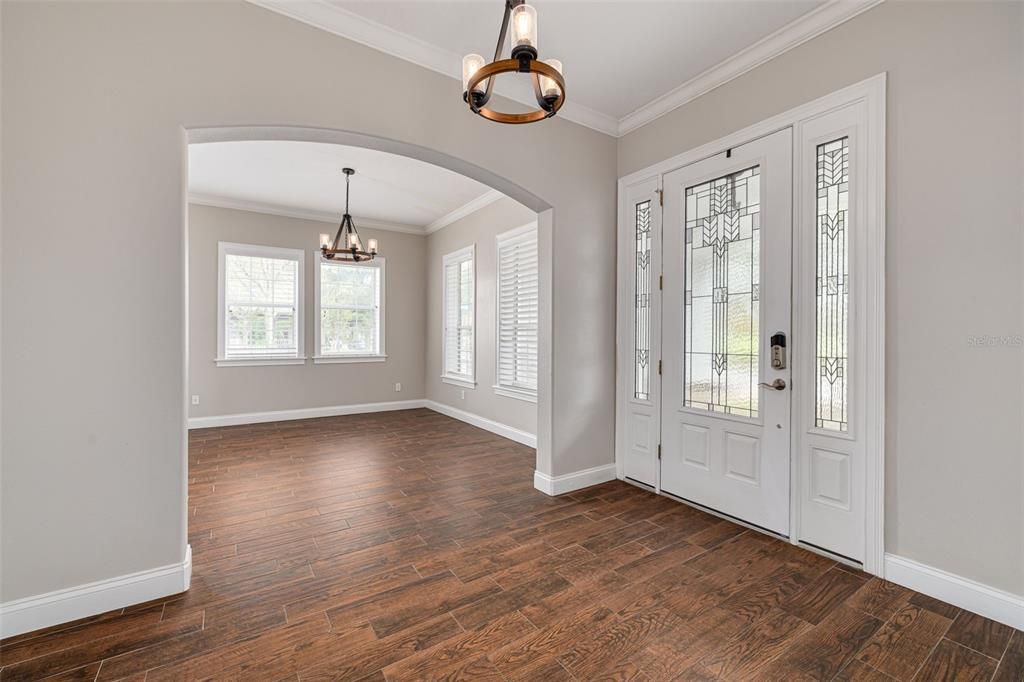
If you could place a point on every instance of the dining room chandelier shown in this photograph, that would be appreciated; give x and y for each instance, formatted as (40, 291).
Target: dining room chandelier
(548, 83)
(346, 245)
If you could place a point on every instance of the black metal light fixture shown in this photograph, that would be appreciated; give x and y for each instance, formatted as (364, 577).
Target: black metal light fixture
(548, 84)
(346, 245)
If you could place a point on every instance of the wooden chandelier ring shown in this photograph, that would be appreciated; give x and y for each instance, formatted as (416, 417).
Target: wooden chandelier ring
(508, 66)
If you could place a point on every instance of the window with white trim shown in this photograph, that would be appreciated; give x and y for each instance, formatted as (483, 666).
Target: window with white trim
(459, 314)
(350, 311)
(517, 314)
(259, 304)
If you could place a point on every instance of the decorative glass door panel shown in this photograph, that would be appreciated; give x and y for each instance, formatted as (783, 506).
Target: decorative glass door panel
(721, 295)
(640, 256)
(727, 268)
(832, 283)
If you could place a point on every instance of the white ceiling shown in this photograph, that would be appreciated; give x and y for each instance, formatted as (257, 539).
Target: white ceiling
(625, 62)
(617, 56)
(305, 179)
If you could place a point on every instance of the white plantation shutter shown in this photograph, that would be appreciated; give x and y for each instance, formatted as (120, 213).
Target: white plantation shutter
(518, 292)
(459, 314)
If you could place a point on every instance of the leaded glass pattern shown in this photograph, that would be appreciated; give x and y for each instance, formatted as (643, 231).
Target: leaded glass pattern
(722, 291)
(832, 284)
(642, 303)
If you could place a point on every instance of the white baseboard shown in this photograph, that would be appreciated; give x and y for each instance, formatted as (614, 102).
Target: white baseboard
(503, 430)
(62, 606)
(306, 413)
(967, 594)
(566, 483)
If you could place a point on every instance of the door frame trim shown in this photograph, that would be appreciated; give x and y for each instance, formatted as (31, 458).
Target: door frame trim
(871, 93)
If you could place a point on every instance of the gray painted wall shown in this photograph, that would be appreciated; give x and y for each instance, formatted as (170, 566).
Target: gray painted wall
(93, 440)
(237, 390)
(479, 228)
(96, 100)
(955, 175)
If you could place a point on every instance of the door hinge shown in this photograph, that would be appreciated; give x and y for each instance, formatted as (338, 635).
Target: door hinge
(661, 282)
(661, 197)
(659, 450)
(659, 366)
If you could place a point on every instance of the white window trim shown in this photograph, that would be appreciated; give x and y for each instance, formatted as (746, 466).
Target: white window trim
(299, 256)
(516, 392)
(465, 381)
(342, 358)
(523, 394)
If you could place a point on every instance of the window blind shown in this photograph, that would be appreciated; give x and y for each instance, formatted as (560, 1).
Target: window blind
(518, 315)
(459, 314)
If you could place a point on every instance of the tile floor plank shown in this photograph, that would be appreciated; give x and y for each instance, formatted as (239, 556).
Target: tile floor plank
(410, 546)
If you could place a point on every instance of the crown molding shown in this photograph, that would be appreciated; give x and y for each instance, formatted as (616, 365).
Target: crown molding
(290, 212)
(333, 19)
(485, 199)
(347, 24)
(810, 25)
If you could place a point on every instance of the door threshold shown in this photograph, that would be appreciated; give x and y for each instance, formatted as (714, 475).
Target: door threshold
(638, 484)
(829, 554)
(727, 517)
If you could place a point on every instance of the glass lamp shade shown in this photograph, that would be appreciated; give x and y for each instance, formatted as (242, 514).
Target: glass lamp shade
(325, 240)
(472, 63)
(372, 245)
(524, 26)
(353, 240)
(548, 87)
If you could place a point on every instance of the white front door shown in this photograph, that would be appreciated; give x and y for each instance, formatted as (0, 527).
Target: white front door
(727, 264)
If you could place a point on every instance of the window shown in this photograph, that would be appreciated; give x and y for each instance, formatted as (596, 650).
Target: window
(517, 285)
(722, 301)
(832, 284)
(642, 302)
(259, 305)
(459, 318)
(350, 311)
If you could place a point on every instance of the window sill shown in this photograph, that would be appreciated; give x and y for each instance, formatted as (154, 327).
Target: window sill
(458, 381)
(347, 359)
(258, 362)
(517, 393)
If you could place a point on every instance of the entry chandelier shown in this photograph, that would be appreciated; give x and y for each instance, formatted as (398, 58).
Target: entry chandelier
(346, 245)
(548, 84)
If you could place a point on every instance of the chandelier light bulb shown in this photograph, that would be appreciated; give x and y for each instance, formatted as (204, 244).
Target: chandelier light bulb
(353, 240)
(372, 245)
(325, 241)
(524, 27)
(472, 63)
(518, 27)
(548, 87)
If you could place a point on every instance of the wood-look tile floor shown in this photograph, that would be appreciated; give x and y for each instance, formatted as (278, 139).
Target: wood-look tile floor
(406, 545)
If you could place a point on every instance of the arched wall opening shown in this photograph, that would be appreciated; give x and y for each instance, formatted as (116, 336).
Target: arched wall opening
(543, 209)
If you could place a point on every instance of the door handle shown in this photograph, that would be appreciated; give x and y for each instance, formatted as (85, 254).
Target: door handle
(778, 385)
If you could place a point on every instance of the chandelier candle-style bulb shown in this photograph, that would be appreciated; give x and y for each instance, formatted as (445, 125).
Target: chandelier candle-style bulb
(371, 245)
(472, 63)
(524, 29)
(548, 87)
(518, 27)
